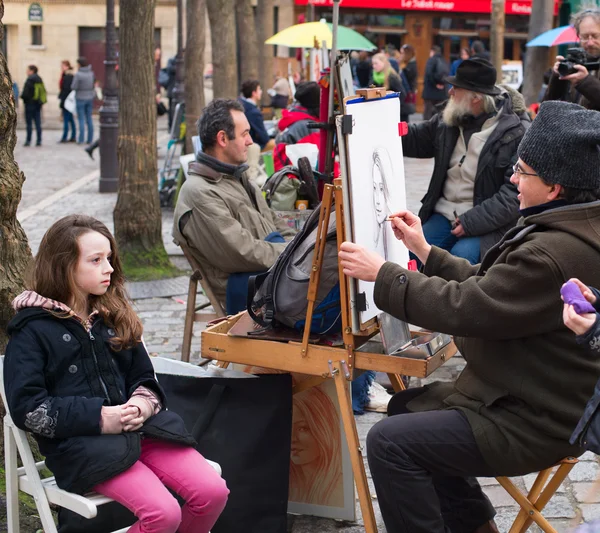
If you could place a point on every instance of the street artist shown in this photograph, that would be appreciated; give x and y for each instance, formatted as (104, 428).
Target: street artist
(512, 409)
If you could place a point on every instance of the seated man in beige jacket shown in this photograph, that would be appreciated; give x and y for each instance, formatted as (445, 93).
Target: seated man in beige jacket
(220, 215)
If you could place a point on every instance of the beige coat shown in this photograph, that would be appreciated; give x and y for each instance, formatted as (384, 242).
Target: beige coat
(223, 227)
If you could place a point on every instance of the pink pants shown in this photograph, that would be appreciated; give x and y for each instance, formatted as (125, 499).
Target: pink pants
(142, 489)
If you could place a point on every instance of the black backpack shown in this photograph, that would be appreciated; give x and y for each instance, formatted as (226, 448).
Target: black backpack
(279, 295)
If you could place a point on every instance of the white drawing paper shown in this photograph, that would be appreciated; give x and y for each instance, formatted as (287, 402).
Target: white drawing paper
(375, 169)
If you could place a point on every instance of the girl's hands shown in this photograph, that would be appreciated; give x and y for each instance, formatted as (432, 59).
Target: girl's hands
(119, 418)
(578, 324)
(585, 290)
(138, 411)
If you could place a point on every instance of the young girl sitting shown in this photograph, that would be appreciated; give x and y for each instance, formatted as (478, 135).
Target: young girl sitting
(79, 378)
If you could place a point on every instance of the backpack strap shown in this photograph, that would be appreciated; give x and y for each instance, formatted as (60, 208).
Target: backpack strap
(255, 283)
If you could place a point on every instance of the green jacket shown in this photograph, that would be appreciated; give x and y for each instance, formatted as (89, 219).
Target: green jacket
(526, 381)
(223, 227)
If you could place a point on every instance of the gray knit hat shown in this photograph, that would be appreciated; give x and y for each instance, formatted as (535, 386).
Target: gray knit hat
(563, 145)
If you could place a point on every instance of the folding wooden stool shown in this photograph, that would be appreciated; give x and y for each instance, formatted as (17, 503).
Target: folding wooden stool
(545, 485)
(191, 314)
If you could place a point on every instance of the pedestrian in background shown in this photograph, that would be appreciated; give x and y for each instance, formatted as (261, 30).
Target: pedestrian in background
(465, 53)
(34, 97)
(384, 74)
(434, 87)
(83, 85)
(364, 69)
(65, 84)
(408, 75)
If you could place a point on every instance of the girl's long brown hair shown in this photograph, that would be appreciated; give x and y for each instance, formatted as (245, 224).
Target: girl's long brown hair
(54, 276)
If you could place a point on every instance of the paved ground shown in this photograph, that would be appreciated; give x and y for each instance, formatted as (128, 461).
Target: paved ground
(61, 179)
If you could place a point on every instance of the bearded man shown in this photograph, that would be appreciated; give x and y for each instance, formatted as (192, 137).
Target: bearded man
(470, 203)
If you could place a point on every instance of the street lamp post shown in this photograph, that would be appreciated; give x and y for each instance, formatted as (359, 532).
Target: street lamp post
(178, 90)
(109, 112)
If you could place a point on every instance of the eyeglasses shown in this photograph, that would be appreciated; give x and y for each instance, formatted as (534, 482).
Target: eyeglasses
(518, 170)
(590, 37)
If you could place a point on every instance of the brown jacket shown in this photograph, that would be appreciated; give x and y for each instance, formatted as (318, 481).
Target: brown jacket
(526, 381)
(224, 228)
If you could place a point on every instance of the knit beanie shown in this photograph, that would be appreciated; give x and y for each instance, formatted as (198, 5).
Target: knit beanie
(563, 145)
(308, 93)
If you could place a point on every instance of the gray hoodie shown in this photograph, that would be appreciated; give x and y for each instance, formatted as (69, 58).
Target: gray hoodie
(83, 83)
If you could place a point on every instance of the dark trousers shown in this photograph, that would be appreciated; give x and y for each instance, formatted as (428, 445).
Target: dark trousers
(429, 108)
(68, 121)
(423, 467)
(33, 113)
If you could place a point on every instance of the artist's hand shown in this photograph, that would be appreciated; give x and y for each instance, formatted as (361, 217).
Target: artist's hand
(407, 228)
(440, 86)
(578, 324)
(458, 230)
(138, 411)
(111, 422)
(585, 290)
(358, 262)
(555, 67)
(578, 76)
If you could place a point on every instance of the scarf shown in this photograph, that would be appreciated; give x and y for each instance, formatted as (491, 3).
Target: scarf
(238, 172)
(378, 78)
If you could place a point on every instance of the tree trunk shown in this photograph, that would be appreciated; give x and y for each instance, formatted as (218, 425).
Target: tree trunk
(194, 67)
(137, 214)
(537, 58)
(15, 254)
(221, 14)
(249, 48)
(265, 26)
(497, 36)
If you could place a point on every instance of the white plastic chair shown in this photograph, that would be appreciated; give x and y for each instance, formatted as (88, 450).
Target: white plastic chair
(28, 480)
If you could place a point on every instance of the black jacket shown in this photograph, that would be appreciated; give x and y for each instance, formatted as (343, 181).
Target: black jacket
(495, 205)
(410, 71)
(587, 92)
(65, 87)
(436, 71)
(29, 89)
(57, 379)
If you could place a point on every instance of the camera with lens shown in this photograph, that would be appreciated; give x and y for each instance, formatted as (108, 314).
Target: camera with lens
(576, 56)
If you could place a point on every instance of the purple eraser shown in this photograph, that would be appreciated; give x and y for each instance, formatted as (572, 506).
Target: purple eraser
(572, 295)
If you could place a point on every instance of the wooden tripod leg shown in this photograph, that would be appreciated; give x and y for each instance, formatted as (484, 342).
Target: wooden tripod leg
(358, 467)
(397, 383)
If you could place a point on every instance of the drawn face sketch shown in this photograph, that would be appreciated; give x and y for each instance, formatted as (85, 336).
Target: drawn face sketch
(305, 448)
(381, 172)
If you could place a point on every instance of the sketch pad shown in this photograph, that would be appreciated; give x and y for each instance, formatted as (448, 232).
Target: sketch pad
(374, 187)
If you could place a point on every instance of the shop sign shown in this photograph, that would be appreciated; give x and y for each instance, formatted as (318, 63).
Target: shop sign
(522, 7)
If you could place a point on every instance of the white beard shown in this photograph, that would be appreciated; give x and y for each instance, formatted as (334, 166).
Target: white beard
(455, 112)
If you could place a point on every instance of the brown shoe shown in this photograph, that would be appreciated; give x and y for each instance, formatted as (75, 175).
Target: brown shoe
(488, 527)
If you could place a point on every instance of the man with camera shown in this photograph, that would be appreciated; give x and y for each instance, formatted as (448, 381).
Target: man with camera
(576, 78)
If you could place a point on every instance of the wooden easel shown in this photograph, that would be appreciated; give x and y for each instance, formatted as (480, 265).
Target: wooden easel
(320, 361)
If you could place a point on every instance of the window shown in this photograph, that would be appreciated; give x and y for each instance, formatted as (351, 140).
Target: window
(36, 35)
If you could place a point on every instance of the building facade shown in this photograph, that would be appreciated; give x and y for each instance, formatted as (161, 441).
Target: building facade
(48, 32)
(451, 24)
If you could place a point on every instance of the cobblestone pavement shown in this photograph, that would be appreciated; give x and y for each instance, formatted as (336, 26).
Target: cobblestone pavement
(60, 181)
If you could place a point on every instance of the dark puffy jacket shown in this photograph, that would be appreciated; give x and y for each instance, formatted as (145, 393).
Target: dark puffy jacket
(436, 71)
(495, 205)
(57, 379)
